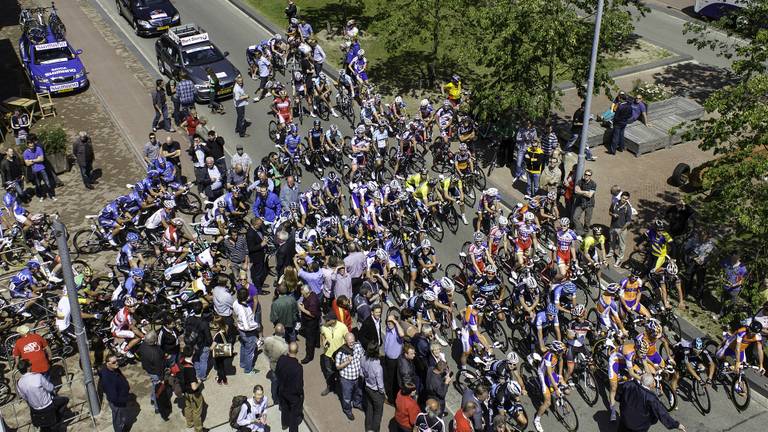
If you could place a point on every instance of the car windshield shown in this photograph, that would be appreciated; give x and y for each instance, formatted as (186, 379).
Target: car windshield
(55, 55)
(202, 55)
(150, 3)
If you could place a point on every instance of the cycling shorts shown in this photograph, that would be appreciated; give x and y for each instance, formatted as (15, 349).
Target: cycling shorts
(616, 370)
(656, 359)
(563, 257)
(632, 305)
(729, 352)
(123, 334)
(468, 340)
(546, 383)
(573, 351)
(397, 260)
(107, 223)
(522, 245)
(20, 218)
(284, 118)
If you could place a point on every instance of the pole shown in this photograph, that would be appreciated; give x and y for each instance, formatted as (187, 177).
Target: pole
(77, 319)
(590, 89)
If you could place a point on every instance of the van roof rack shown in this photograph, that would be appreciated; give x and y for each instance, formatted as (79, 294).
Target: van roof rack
(187, 34)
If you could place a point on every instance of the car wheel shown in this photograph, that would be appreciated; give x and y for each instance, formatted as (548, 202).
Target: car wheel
(681, 174)
(160, 67)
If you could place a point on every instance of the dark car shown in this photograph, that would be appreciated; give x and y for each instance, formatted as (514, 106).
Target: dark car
(188, 49)
(149, 17)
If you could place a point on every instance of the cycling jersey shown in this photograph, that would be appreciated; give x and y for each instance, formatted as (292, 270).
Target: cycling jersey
(420, 306)
(741, 339)
(477, 253)
(580, 329)
(540, 321)
(548, 361)
(283, 106)
(21, 282)
(630, 291)
(564, 240)
(658, 241)
(589, 245)
(461, 159)
(315, 136)
(453, 90)
(292, 142)
(607, 310)
(122, 323)
(156, 220)
(503, 400)
(685, 353)
(335, 138)
(557, 292)
(469, 329)
(488, 288)
(171, 239)
(653, 354)
(13, 204)
(524, 238)
(125, 256)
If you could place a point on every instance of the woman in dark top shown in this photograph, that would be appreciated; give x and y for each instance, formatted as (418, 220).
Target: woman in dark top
(219, 328)
(213, 82)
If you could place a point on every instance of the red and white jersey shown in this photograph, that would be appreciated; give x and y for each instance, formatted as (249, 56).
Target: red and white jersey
(123, 320)
(171, 236)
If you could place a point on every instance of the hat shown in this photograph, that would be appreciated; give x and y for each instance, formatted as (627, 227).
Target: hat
(239, 147)
(22, 329)
(330, 316)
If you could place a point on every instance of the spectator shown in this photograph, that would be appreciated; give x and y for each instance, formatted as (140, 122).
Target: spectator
(291, 10)
(361, 303)
(20, 124)
(33, 348)
(332, 335)
(356, 264)
(12, 169)
(406, 367)
(289, 192)
(197, 335)
(267, 206)
(393, 349)
(461, 422)
(275, 347)
(213, 180)
(551, 176)
(735, 273)
(237, 180)
(310, 322)
(285, 311)
(678, 215)
(421, 342)
(241, 101)
(577, 123)
(641, 408)
(198, 153)
(170, 91)
(34, 158)
(192, 388)
(171, 150)
(291, 374)
(160, 104)
(314, 277)
(221, 331)
(190, 123)
(406, 408)
(621, 217)
(480, 397)
(46, 409)
(370, 329)
(215, 146)
(152, 362)
(549, 143)
(584, 202)
(242, 158)
(252, 415)
(168, 339)
(430, 420)
(318, 56)
(697, 251)
(116, 389)
(341, 307)
(264, 66)
(348, 362)
(524, 138)
(639, 111)
(237, 251)
(436, 385)
(186, 93)
(247, 328)
(286, 250)
(373, 376)
(223, 301)
(620, 121)
(83, 151)
(342, 282)
(256, 240)
(534, 162)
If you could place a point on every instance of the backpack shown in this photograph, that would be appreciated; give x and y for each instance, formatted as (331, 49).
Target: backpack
(234, 410)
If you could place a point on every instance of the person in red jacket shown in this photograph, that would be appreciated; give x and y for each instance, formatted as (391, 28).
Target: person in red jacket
(341, 307)
(406, 408)
(461, 421)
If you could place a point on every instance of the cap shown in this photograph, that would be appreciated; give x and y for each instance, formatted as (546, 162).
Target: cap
(22, 329)
(330, 316)
(239, 147)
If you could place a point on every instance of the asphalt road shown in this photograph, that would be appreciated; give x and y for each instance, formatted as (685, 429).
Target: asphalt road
(233, 31)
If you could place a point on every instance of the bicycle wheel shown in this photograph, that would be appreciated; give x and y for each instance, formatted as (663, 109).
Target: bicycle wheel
(189, 204)
(272, 131)
(469, 196)
(434, 229)
(323, 111)
(398, 289)
(701, 397)
(586, 385)
(480, 180)
(86, 242)
(667, 397)
(740, 395)
(451, 219)
(6, 395)
(465, 380)
(454, 273)
(672, 324)
(496, 334)
(566, 414)
(80, 266)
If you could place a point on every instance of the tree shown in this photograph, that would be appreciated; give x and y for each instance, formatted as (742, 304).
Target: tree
(733, 199)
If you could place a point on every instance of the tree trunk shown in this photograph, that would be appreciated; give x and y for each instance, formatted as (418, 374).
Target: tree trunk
(550, 84)
(436, 30)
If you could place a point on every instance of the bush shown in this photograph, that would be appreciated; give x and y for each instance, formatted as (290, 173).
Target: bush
(649, 91)
(54, 140)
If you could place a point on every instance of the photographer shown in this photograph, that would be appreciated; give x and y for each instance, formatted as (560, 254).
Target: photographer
(438, 380)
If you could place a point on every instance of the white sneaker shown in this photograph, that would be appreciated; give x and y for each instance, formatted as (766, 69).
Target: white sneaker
(334, 113)
(537, 424)
(54, 279)
(439, 228)
(26, 315)
(128, 354)
(256, 99)
(464, 219)
(42, 199)
(112, 242)
(54, 199)
(313, 114)
(440, 340)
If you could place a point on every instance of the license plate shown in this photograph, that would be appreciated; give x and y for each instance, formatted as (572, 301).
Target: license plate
(224, 91)
(64, 87)
(163, 27)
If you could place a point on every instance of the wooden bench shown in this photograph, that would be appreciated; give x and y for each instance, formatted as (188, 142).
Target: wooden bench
(664, 116)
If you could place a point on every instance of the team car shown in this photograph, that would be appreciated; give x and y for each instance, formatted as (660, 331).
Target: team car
(149, 17)
(187, 48)
(51, 63)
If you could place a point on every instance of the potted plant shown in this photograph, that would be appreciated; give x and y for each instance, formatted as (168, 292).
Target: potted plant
(55, 143)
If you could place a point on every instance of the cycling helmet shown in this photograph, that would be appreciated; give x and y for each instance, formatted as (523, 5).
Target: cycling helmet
(490, 268)
(424, 102)
(528, 217)
(569, 288)
(179, 222)
(397, 243)
(137, 272)
(221, 204)
(503, 221)
(551, 309)
(377, 196)
(33, 265)
(578, 310)
(86, 272)
(432, 181)
(424, 170)
(462, 147)
(642, 348)
(316, 123)
(207, 274)
(153, 174)
(698, 344)
(394, 185)
(293, 128)
(429, 296)
(530, 283)
(635, 273)
(513, 387)
(130, 302)
(333, 128)
(611, 288)
(169, 203)
(551, 195)
(360, 130)
(557, 346)
(513, 358)
(653, 327)
(297, 75)
(316, 186)
(447, 284)
(381, 254)
(10, 186)
(447, 103)
(371, 186)
(478, 237)
(659, 223)
(132, 237)
(597, 230)
(479, 303)
(565, 222)
(426, 244)
(360, 52)
(402, 196)
(755, 326)
(492, 192)
(278, 36)
(322, 76)
(671, 267)
(455, 78)
(293, 206)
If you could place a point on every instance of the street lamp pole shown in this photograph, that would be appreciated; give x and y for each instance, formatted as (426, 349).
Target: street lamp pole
(77, 319)
(590, 89)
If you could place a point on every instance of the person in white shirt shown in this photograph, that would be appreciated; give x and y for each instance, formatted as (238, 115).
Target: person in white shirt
(253, 414)
(64, 313)
(240, 99)
(248, 328)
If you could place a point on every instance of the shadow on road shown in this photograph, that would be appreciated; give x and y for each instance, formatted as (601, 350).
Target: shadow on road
(14, 82)
(693, 80)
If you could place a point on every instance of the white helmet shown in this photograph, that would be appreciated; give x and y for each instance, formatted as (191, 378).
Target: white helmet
(565, 222)
(394, 185)
(424, 102)
(528, 217)
(361, 53)
(513, 358)
(399, 100)
(492, 192)
(503, 221)
(426, 244)
(381, 254)
(429, 296)
(447, 284)
(514, 388)
(169, 204)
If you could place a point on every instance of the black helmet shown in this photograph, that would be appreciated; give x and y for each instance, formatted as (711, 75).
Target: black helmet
(316, 123)
(755, 326)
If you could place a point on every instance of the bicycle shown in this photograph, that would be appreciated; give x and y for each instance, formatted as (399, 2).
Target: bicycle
(344, 103)
(737, 388)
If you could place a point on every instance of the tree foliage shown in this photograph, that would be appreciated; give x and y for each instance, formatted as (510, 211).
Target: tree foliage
(734, 194)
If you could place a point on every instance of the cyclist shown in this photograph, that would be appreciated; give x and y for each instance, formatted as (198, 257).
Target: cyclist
(592, 250)
(215, 220)
(424, 307)
(333, 140)
(527, 295)
(322, 92)
(315, 136)
(422, 258)
(498, 237)
(736, 344)
(112, 220)
(542, 321)
(631, 292)
(652, 334)
(292, 143)
(470, 332)
(127, 257)
(467, 132)
(505, 400)
(346, 82)
(451, 189)
(129, 288)
(487, 208)
(452, 90)
(526, 241)
(576, 339)
(25, 284)
(426, 113)
(360, 146)
(444, 117)
(544, 207)
(333, 193)
(657, 239)
(550, 368)
(621, 366)
(281, 107)
(566, 249)
(479, 254)
(689, 354)
(299, 91)
(463, 161)
(490, 287)
(608, 309)
(174, 239)
(507, 369)
(13, 204)
(124, 327)
(565, 289)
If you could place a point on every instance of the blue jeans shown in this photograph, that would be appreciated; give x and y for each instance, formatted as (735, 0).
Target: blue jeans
(275, 387)
(351, 395)
(575, 137)
(290, 334)
(43, 184)
(155, 380)
(166, 121)
(533, 184)
(617, 138)
(201, 365)
(519, 159)
(247, 349)
(118, 417)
